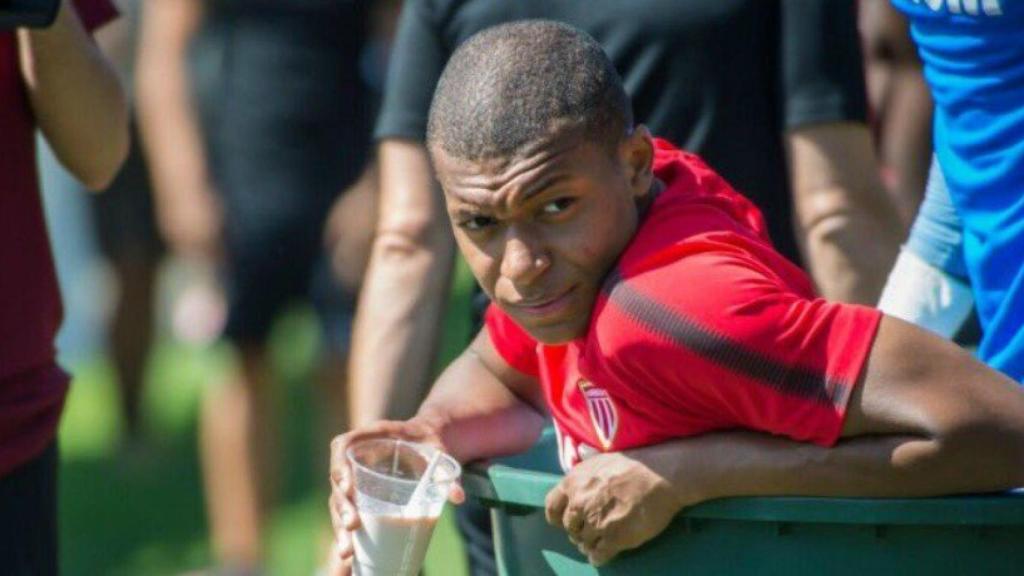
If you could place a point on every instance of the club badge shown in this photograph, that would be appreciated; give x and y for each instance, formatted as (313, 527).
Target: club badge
(602, 412)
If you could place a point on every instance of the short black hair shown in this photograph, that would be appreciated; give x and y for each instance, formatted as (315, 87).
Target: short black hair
(517, 83)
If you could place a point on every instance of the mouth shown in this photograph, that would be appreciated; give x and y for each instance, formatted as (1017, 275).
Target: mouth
(545, 306)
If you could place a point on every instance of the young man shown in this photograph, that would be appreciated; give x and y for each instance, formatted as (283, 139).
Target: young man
(638, 301)
(48, 77)
(781, 115)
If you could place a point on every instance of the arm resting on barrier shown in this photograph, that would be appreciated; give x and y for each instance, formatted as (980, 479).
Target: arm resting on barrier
(926, 419)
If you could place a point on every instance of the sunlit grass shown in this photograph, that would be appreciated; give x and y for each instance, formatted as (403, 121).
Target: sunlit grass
(141, 511)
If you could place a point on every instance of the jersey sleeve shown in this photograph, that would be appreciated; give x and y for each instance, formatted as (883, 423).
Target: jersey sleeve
(95, 13)
(512, 342)
(725, 340)
(417, 60)
(821, 64)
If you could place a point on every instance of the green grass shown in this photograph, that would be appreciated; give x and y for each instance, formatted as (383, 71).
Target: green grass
(141, 512)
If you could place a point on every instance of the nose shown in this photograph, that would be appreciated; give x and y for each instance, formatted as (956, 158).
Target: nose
(524, 260)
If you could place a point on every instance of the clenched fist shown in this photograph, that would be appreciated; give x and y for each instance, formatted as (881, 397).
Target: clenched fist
(612, 502)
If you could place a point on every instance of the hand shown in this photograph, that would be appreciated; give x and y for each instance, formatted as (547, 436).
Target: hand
(190, 221)
(344, 517)
(612, 502)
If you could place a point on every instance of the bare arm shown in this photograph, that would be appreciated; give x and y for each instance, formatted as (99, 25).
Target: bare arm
(483, 407)
(397, 326)
(840, 203)
(926, 419)
(76, 97)
(901, 103)
(169, 124)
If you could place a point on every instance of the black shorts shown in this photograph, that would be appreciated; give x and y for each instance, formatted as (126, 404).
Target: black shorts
(28, 517)
(286, 124)
(265, 271)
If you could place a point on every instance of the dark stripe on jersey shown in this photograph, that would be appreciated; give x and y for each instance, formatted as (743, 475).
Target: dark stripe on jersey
(665, 322)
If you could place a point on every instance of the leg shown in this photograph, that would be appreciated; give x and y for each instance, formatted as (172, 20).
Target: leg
(238, 447)
(132, 333)
(127, 235)
(267, 266)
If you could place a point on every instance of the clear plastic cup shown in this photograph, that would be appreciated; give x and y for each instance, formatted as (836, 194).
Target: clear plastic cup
(395, 531)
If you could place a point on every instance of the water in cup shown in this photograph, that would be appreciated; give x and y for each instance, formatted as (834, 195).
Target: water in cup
(401, 488)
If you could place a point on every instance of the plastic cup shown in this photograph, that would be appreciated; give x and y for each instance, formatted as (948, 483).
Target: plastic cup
(396, 530)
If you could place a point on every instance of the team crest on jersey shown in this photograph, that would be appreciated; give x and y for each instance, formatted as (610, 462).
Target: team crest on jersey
(603, 415)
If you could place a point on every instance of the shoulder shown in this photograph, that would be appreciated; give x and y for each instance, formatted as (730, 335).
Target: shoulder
(674, 297)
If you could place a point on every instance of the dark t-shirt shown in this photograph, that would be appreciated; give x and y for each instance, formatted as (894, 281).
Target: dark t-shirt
(32, 387)
(722, 78)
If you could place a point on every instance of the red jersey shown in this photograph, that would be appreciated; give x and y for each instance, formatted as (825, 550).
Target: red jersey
(32, 387)
(701, 326)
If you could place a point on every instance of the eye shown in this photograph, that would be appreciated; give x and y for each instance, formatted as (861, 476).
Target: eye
(558, 205)
(476, 222)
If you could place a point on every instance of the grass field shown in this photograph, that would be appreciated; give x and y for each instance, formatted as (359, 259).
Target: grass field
(140, 511)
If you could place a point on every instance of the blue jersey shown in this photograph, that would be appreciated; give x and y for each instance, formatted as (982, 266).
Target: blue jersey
(973, 54)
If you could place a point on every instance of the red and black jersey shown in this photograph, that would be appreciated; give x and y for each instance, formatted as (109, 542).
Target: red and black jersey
(700, 326)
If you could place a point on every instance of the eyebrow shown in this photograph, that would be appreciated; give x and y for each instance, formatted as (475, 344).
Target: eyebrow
(467, 206)
(548, 182)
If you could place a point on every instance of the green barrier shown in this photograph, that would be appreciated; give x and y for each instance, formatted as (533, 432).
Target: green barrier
(982, 534)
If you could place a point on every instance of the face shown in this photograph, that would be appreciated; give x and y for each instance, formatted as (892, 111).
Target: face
(541, 230)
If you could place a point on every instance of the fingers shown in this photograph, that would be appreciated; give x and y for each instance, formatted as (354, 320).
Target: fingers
(338, 567)
(457, 495)
(336, 524)
(343, 548)
(601, 552)
(588, 535)
(339, 467)
(572, 520)
(555, 503)
(343, 511)
(340, 444)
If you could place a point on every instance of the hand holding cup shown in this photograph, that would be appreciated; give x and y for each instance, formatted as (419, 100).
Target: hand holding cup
(389, 473)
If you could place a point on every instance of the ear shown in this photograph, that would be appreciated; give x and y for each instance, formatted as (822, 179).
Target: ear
(637, 156)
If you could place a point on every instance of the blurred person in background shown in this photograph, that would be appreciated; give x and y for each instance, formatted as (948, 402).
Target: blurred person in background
(771, 94)
(255, 119)
(352, 220)
(899, 102)
(125, 226)
(964, 250)
(47, 78)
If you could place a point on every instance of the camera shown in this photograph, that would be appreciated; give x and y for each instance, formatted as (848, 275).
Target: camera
(27, 13)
